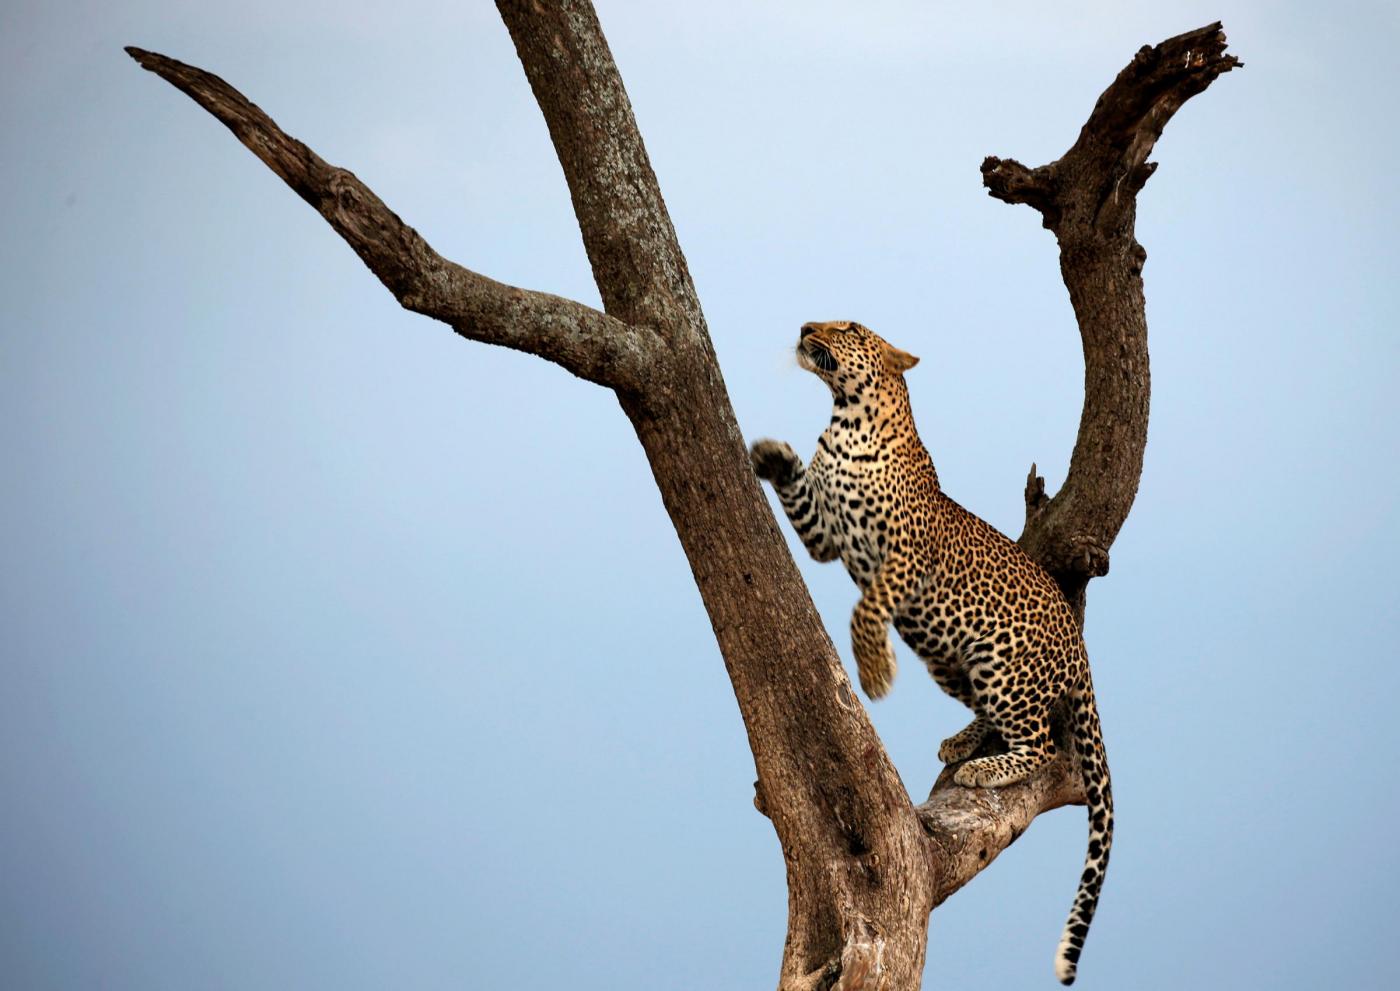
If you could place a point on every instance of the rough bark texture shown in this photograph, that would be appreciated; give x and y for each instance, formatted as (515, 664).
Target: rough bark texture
(865, 867)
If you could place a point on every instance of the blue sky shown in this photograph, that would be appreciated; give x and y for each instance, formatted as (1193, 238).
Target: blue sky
(340, 652)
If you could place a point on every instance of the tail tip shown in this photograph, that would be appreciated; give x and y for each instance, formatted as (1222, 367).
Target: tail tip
(1064, 971)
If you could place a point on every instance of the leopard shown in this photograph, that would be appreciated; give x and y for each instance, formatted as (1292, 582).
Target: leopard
(991, 625)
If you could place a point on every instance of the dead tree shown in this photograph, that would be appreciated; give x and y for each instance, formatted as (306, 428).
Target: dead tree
(865, 864)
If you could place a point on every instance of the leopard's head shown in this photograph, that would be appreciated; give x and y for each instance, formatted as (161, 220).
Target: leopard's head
(850, 358)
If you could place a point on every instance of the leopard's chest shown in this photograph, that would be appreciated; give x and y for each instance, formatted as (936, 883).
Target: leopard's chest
(858, 515)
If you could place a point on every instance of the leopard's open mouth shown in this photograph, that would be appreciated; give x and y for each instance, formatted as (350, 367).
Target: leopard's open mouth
(816, 354)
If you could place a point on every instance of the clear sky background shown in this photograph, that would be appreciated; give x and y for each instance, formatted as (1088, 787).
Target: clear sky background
(338, 652)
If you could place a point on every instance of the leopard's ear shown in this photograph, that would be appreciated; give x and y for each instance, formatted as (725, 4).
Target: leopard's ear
(898, 362)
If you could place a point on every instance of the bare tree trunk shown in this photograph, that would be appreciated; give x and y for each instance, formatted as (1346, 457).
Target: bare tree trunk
(865, 867)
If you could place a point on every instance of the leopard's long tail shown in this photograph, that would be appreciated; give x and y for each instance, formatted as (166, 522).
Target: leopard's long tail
(1093, 765)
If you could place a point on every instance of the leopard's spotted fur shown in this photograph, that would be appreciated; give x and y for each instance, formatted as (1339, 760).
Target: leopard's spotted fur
(992, 626)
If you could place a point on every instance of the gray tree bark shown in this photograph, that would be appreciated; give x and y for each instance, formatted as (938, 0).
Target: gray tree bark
(865, 864)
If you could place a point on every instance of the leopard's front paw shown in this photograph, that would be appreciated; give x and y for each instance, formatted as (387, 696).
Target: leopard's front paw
(876, 666)
(775, 461)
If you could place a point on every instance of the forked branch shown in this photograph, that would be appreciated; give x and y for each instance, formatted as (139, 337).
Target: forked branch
(589, 343)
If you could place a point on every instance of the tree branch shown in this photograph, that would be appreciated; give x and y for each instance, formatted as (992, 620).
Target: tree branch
(1088, 198)
(969, 827)
(590, 344)
(1010, 181)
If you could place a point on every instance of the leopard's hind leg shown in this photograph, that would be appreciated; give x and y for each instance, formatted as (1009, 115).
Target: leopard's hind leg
(964, 743)
(1009, 698)
(954, 682)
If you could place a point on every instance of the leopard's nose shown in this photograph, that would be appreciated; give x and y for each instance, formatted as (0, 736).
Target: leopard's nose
(807, 328)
